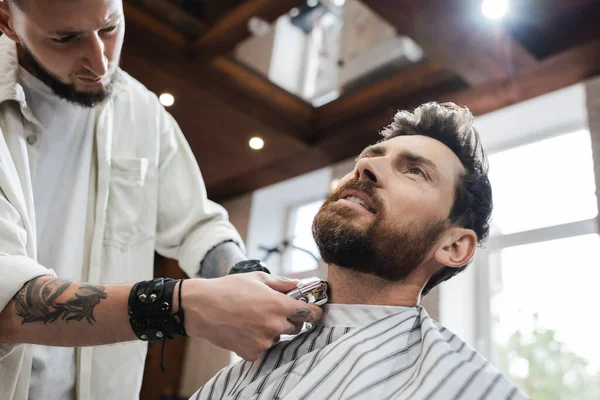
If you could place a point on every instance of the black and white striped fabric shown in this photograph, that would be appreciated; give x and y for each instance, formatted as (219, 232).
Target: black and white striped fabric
(365, 352)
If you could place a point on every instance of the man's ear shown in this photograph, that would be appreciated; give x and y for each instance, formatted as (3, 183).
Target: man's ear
(456, 247)
(7, 22)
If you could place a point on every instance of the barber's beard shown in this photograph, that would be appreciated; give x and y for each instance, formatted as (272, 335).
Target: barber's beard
(389, 252)
(63, 90)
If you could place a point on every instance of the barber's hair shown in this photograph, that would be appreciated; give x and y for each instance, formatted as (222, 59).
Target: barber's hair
(452, 125)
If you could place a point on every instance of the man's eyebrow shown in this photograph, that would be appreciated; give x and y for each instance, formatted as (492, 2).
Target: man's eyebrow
(411, 157)
(375, 150)
(66, 32)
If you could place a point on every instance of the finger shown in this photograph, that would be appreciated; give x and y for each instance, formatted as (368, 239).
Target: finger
(305, 313)
(293, 328)
(280, 283)
(296, 329)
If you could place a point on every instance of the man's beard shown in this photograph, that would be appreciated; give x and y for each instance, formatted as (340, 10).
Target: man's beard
(64, 90)
(390, 252)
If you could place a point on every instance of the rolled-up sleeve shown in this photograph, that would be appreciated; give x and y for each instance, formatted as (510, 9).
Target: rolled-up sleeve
(16, 268)
(189, 224)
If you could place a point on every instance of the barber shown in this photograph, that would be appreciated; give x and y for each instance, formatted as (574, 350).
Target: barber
(95, 176)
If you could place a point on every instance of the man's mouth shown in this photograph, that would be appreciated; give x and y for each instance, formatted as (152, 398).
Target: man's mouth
(359, 198)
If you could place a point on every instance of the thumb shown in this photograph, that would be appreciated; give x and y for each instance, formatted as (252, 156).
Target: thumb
(281, 284)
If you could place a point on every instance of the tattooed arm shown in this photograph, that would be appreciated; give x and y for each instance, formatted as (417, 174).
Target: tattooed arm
(220, 259)
(57, 312)
(243, 313)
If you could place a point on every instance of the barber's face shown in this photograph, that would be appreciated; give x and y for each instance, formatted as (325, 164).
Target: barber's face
(386, 216)
(73, 46)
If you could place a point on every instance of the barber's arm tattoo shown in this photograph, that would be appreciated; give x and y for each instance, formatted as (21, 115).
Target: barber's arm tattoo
(47, 300)
(220, 259)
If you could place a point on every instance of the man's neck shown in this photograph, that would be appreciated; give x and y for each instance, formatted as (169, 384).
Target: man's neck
(351, 287)
(23, 60)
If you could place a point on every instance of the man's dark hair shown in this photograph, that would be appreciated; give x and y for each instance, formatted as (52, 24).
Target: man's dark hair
(452, 125)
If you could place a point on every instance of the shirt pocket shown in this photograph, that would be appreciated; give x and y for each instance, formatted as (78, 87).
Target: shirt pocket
(131, 208)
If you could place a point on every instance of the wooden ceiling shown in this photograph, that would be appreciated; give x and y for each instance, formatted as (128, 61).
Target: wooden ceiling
(183, 47)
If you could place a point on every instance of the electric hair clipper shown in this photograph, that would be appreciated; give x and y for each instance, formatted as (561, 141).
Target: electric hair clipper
(313, 291)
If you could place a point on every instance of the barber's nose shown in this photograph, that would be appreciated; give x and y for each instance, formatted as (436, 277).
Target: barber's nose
(95, 60)
(365, 170)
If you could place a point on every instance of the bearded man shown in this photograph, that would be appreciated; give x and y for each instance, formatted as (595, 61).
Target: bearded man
(408, 217)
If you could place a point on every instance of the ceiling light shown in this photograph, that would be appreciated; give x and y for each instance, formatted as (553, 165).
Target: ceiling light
(258, 26)
(312, 3)
(166, 99)
(339, 3)
(256, 143)
(494, 9)
(294, 12)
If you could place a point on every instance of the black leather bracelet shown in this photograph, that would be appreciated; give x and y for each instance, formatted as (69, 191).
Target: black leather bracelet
(150, 309)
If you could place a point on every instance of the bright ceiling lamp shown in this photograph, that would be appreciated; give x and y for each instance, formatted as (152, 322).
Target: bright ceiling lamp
(494, 9)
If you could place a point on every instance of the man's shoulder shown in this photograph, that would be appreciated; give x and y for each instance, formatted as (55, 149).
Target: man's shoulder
(127, 88)
(138, 109)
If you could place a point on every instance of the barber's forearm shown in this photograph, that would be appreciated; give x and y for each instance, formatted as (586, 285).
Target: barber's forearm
(219, 260)
(57, 312)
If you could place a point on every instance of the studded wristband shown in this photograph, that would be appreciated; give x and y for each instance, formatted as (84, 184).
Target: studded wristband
(150, 310)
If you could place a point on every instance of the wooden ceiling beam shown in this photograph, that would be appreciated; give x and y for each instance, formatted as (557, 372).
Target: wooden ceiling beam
(243, 77)
(417, 77)
(347, 138)
(232, 28)
(453, 33)
(228, 80)
(553, 73)
(149, 22)
(169, 13)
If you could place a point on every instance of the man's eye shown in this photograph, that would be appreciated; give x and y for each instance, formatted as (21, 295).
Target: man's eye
(416, 171)
(64, 39)
(109, 30)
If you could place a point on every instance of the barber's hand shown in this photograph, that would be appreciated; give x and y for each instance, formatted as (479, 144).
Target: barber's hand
(244, 313)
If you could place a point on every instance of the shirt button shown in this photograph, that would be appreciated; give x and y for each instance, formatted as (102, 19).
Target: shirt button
(32, 139)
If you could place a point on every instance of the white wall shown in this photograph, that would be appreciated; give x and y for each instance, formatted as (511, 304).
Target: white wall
(256, 51)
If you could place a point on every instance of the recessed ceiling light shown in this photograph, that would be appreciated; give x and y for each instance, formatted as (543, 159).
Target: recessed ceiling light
(256, 143)
(312, 3)
(258, 26)
(294, 12)
(167, 99)
(339, 3)
(494, 9)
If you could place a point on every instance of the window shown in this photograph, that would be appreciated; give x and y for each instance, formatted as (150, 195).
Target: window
(545, 183)
(302, 255)
(542, 262)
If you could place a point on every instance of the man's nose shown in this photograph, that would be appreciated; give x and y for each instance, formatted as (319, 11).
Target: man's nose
(365, 170)
(94, 59)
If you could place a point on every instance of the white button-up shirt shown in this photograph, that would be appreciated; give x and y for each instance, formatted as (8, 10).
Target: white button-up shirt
(146, 194)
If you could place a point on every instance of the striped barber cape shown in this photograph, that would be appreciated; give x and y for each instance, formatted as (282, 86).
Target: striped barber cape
(365, 352)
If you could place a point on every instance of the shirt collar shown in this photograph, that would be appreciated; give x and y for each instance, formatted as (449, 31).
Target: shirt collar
(11, 89)
(9, 86)
(355, 315)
